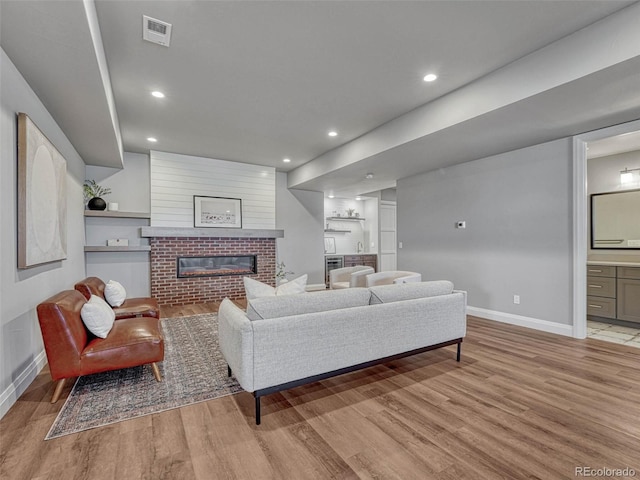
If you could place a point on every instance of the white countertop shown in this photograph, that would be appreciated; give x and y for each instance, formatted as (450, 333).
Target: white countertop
(621, 259)
(349, 253)
(613, 263)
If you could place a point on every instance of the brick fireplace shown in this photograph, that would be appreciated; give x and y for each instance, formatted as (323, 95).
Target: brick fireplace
(171, 290)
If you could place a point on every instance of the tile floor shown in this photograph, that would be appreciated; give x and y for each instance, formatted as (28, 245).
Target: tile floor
(614, 333)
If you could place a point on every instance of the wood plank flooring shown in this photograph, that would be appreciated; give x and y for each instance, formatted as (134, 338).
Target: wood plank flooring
(521, 404)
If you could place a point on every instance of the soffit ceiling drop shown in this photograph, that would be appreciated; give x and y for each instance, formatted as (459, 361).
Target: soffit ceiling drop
(260, 81)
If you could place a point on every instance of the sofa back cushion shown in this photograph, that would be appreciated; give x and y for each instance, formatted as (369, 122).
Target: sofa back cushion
(409, 291)
(311, 302)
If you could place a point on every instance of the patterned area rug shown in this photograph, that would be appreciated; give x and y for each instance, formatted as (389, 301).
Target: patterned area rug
(193, 371)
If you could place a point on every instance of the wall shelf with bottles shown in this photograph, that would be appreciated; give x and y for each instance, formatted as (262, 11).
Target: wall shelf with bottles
(333, 230)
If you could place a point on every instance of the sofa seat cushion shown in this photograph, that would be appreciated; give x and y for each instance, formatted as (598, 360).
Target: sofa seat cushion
(131, 342)
(138, 307)
(339, 285)
(409, 291)
(311, 302)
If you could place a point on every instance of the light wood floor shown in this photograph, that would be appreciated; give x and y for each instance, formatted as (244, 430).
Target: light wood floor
(521, 404)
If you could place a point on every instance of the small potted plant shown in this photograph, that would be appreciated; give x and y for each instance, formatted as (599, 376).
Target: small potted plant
(281, 273)
(93, 193)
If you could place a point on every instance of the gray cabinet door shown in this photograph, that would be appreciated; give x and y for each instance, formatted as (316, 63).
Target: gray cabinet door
(629, 299)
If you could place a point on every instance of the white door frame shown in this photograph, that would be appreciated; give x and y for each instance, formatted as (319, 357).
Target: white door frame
(580, 219)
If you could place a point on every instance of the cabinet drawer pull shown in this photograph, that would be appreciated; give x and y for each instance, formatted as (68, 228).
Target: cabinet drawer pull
(595, 286)
(595, 271)
(595, 306)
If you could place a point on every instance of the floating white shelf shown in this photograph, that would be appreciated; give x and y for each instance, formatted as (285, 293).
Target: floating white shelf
(104, 248)
(352, 219)
(119, 214)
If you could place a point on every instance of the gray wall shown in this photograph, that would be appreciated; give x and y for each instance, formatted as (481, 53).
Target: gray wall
(130, 189)
(21, 348)
(300, 214)
(518, 212)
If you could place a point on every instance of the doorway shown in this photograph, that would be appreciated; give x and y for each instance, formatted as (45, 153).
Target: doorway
(581, 247)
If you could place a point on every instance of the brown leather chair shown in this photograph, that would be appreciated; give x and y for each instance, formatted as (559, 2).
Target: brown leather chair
(73, 351)
(132, 307)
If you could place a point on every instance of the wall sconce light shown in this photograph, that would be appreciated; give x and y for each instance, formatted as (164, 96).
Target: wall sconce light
(626, 175)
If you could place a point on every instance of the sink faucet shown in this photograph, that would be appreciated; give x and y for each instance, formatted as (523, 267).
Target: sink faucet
(359, 247)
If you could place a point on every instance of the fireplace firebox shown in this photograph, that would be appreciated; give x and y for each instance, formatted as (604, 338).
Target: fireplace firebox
(216, 266)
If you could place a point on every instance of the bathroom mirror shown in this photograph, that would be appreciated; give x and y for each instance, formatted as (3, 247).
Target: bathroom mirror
(615, 220)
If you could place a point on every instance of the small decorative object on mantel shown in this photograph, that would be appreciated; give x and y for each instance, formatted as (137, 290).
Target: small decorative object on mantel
(93, 193)
(351, 212)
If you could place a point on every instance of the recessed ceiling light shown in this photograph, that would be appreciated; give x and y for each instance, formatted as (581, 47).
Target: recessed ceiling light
(430, 77)
(333, 133)
(157, 94)
(358, 198)
(286, 160)
(332, 196)
(369, 176)
(152, 139)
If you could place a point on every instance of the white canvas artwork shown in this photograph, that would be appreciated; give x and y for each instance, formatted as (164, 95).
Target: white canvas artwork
(42, 206)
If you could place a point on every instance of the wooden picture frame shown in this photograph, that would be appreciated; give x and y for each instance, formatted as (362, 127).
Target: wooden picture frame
(217, 212)
(42, 197)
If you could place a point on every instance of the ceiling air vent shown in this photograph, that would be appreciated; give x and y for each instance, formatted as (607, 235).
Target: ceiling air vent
(156, 31)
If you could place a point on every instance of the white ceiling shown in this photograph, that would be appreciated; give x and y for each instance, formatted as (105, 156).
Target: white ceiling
(259, 81)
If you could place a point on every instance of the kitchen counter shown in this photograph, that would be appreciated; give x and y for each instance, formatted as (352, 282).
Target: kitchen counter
(350, 253)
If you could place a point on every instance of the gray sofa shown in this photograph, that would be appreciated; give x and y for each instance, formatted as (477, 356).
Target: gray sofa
(284, 341)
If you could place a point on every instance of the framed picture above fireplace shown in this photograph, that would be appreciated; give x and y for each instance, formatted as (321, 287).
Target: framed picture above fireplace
(217, 212)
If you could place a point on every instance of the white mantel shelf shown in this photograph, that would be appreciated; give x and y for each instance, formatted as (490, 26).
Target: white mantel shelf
(210, 232)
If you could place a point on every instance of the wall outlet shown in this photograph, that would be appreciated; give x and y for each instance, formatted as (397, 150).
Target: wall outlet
(399, 244)
(461, 224)
(118, 242)
(516, 299)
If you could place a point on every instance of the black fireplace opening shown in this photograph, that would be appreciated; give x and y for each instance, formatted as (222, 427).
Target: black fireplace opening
(216, 266)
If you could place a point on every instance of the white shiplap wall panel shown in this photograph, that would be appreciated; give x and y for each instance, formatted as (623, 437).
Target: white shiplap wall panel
(175, 179)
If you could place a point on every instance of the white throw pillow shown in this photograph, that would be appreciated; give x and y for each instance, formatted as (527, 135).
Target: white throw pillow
(98, 316)
(293, 287)
(255, 289)
(114, 293)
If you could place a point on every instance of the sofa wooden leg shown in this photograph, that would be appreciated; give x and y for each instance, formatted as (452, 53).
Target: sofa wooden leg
(58, 391)
(458, 354)
(156, 371)
(228, 371)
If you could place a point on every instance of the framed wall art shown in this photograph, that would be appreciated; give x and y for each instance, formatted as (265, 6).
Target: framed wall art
(329, 245)
(217, 212)
(42, 197)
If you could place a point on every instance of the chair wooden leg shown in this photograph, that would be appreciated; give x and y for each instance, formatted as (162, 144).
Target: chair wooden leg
(156, 371)
(58, 391)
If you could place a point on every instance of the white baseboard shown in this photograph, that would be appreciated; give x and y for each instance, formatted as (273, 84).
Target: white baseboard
(521, 321)
(20, 384)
